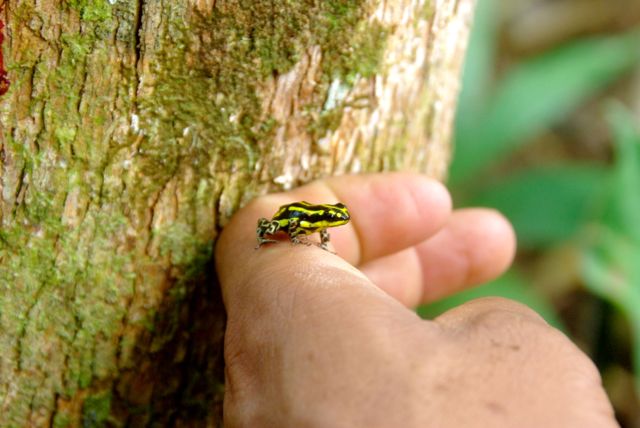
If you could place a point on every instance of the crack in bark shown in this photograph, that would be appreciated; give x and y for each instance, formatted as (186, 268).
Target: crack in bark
(217, 201)
(40, 113)
(19, 188)
(54, 410)
(152, 210)
(137, 29)
(33, 398)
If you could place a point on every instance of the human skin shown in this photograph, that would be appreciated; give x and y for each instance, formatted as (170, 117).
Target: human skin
(316, 339)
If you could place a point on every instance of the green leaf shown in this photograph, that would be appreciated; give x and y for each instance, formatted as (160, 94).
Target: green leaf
(536, 94)
(611, 269)
(611, 258)
(546, 205)
(511, 286)
(624, 207)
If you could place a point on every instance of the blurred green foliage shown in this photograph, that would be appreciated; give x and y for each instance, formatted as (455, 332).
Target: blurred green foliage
(611, 256)
(546, 204)
(594, 207)
(496, 117)
(512, 285)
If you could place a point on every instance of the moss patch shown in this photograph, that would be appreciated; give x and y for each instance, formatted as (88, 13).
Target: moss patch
(59, 285)
(96, 410)
(94, 11)
(203, 97)
(62, 420)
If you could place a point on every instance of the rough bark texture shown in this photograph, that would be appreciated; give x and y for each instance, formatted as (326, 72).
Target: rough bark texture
(132, 130)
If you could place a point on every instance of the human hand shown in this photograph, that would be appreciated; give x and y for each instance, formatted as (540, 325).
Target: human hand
(321, 340)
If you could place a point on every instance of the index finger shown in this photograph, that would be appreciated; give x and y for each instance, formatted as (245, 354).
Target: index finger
(389, 212)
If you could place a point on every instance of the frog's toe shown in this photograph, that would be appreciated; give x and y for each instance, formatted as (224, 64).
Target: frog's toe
(304, 241)
(325, 247)
(264, 241)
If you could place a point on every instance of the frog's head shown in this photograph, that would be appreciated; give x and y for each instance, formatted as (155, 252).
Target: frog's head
(338, 214)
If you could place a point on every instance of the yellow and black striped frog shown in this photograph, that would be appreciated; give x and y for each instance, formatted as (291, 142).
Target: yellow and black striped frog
(303, 218)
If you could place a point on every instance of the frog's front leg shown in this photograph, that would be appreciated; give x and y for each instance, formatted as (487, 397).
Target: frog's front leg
(266, 227)
(324, 239)
(294, 231)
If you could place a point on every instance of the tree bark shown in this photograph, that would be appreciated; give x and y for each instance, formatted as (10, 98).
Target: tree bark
(132, 130)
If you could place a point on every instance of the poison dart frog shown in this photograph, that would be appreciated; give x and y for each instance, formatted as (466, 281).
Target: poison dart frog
(303, 218)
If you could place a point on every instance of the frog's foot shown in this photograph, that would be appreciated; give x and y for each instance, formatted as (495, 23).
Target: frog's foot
(297, 240)
(264, 241)
(325, 246)
(324, 241)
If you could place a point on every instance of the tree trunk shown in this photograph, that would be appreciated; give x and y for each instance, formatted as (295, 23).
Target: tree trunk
(131, 132)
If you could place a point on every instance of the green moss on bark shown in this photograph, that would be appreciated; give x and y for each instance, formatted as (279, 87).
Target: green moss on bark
(92, 11)
(96, 410)
(62, 420)
(208, 71)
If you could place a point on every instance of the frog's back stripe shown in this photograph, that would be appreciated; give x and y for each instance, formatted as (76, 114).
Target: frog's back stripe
(315, 218)
(303, 207)
(314, 225)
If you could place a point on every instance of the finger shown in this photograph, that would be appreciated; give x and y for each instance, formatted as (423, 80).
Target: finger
(398, 274)
(476, 245)
(391, 212)
(388, 211)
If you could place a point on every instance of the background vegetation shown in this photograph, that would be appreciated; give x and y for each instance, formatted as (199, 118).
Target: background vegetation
(548, 132)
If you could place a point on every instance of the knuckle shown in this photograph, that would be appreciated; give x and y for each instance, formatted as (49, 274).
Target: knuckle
(490, 311)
